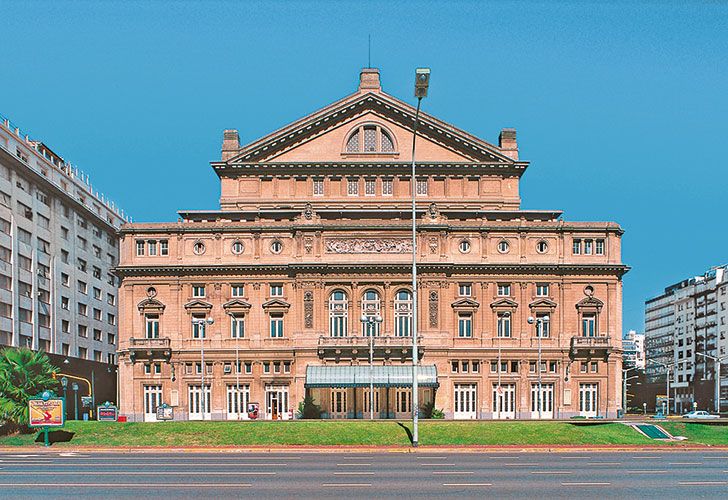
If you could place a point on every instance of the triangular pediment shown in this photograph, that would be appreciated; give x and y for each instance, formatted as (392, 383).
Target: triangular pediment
(504, 304)
(150, 305)
(236, 305)
(465, 303)
(321, 136)
(197, 305)
(543, 304)
(276, 304)
(589, 302)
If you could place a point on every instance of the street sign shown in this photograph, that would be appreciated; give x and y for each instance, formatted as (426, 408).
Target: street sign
(86, 401)
(45, 411)
(165, 412)
(107, 413)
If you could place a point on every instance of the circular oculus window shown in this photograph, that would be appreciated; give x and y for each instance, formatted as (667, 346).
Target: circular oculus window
(542, 246)
(198, 248)
(464, 246)
(503, 246)
(238, 247)
(276, 247)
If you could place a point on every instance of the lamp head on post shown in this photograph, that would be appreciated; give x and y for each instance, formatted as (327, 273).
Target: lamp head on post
(422, 82)
(531, 320)
(64, 383)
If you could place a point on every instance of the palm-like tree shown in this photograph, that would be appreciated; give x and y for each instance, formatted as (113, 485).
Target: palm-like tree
(23, 374)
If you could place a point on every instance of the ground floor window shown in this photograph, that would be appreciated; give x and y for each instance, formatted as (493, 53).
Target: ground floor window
(152, 399)
(198, 408)
(404, 400)
(465, 401)
(238, 397)
(545, 401)
(338, 403)
(588, 400)
(504, 401)
(276, 402)
(367, 400)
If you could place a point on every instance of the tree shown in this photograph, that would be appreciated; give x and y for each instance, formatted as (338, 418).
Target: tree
(308, 408)
(23, 374)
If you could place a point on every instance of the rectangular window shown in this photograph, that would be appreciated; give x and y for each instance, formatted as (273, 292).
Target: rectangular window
(504, 290)
(476, 366)
(4, 226)
(542, 290)
(66, 326)
(465, 367)
(82, 243)
(111, 319)
(82, 352)
(25, 211)
(588, 325)
(82, 287)
(455, 366)
(421, 186)
(24, 236)
(81, 264)
(163, 247)
(576, 247)
(110, 299)
(25, 289)
(25, 263)
(465, 289)
(97, 293)
(198, 326)
(248, 367)
(237, 326)
(97, 314)
(276, 325)
(594, 366)
(387, 187)
(286, 367)
(370, 187)
(97, 334)
(97, 251)
(352, 188)
(152, 247)
(140, 248)
(599, 248)
(543, 325)
(237, 290)
(318, 187)
(6, 254)
(198, 291)
(504, 324)
(82, 331)
(465, 325)
(152, 326)
(96, 272)
(266, 367)
(110, 338)
(44, 222)
(587, 247)
(82, 309)
(276, 290)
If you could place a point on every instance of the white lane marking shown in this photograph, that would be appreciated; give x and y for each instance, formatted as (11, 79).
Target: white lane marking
(562, 456)
(506, 456)
(25, 456)
(357, 464)
(603, 463)
(585, 484)
(432, 458)
(685, 463)
(715, 458)
(550, 472)
(143, 473)
(451, 472)
(437, 465)
(521, 465)
(467, 484)
(346, 485)
(127, 485)
(354, 473)
(72, 454)
(158, 464)
(648, 457)
(702, 483)
(646, 471)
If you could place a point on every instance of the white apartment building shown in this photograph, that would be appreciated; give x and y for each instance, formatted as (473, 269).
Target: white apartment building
(633, 350)
(690, 318)
(58, 246)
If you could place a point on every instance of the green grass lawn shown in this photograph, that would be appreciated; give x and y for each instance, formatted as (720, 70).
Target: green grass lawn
(391, 433)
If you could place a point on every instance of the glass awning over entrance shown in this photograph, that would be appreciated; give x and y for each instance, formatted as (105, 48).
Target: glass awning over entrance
(358, 376)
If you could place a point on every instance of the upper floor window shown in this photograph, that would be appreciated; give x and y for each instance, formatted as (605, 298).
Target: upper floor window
(152, 326)
(370, 187)
(198, 291)
(599, 247)
(504, 324)
(421, 186)
(370, 306)
(504, 290)
(140, 248)
(152, 246)
(318, 187)
(588, 247)
(542, 290)
(163, 247)
(237, 290)
(369, 139)
(403, 314)
(588, 325)
(276, 290)
(387, 187)
(465, 325)
(352, 186)
(576, 247)
(338, 313)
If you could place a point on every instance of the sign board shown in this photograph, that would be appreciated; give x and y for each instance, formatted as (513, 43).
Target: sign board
(86, 401)
(253, 409)
(165, 412)
(46, 412)
(107, 413)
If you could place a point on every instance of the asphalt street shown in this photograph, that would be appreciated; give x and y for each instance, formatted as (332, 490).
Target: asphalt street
(425, 474)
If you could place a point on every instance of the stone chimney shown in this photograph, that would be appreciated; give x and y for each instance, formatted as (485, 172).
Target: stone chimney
(507, 142)
(230, 143)
(369, 80)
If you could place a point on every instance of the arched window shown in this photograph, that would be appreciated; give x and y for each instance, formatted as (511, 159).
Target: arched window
(338, 313)
(370, 306)
(370, 139)
(403, 314)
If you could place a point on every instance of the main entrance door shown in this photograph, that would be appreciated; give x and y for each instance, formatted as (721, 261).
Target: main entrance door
(546, 400)
(504, 401)
(196, 405)
(465, 401)
(152, 399)
(276, 402)
(338, 403)
(588, 394)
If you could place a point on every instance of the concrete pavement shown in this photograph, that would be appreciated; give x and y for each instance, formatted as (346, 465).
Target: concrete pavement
(431, 474)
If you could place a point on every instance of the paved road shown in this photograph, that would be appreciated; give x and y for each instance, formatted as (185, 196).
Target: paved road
(701, 474)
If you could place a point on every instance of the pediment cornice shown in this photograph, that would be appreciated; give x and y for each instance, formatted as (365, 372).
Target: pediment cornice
(542, 304)
(465, 304)
(198, 305)
(236, 305)
(504, 303)
(150, 305)
(276, 305)
(590, 303)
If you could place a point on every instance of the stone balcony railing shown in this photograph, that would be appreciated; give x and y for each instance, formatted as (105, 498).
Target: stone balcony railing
(353, 347)
(158, 343)
(589, 347)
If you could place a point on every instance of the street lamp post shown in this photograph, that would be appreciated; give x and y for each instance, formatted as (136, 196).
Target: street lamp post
(201, 323)
(625, 379)
(74, 386)
(717, 362)
(237, 364)
(422, 83)
(64, 384)
(368, 322)
(539, 333)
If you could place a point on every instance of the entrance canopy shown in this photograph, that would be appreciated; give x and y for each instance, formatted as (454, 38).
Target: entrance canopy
(359, 376)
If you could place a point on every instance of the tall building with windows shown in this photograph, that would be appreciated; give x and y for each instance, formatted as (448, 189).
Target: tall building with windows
(633, 350)
(308, 259)
(58, 246)
(689, 318)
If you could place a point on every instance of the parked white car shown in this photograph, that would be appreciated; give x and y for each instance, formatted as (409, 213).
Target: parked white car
(700, 414)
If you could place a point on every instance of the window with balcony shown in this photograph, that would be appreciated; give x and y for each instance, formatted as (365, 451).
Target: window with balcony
(338, 313)
(588, 325)
(151, 326)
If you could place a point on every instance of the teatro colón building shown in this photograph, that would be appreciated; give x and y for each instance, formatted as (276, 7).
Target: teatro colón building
(305, 269)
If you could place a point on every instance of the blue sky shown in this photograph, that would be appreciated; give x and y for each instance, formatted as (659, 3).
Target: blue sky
(620, 108)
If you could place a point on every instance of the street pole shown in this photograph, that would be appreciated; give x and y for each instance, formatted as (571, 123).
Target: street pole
(74, 386)
(422, 80)
(368, 322)
(201, 324)
(539, 322)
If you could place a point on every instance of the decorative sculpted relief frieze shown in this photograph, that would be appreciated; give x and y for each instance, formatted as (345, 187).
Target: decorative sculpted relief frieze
(308, 309)
(368, 245)
(434, 304)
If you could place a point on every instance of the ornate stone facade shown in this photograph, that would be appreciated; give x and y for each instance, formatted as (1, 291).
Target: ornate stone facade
(314, 232)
